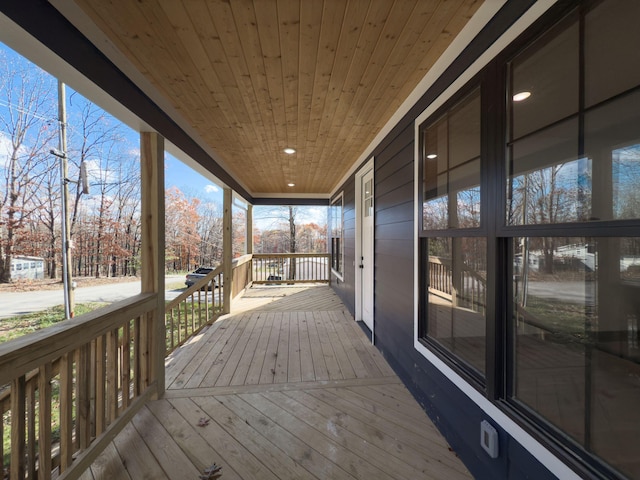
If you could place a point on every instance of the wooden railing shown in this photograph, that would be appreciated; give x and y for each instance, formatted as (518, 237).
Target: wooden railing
(67, 390)
(276, 268)
(471, 285)
(203, 302)
(199, 305)
(70, 388)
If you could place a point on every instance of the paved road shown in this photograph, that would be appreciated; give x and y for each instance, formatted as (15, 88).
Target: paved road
(573, 292)
(19, 303)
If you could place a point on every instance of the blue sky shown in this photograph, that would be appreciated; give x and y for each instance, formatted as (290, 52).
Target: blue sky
(190, 182)
(177, 174)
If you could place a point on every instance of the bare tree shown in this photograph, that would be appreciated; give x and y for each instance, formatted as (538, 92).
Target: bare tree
(27, 130)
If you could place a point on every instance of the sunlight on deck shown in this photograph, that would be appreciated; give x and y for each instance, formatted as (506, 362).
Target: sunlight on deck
(286, 387)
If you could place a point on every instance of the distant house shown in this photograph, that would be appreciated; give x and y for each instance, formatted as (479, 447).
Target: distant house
(23, 268)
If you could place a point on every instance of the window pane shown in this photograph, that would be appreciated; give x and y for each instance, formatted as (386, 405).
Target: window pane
(336, 236)
(451, 168)
(456, 297)
(548, 183)
(549, 73)
(612, 139)
(576, 309)
(612, 26)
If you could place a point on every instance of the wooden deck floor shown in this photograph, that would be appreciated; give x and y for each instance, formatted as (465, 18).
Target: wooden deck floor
(286, 387)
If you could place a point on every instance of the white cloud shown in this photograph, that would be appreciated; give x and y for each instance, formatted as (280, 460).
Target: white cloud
(211, 189)
(5, 150)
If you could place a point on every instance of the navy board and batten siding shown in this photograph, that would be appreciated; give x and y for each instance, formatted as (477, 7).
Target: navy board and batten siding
(451, 409)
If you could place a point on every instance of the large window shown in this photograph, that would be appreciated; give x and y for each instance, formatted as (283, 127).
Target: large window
(337, 237)
(453, 272)
(573, 170)
(537, 240)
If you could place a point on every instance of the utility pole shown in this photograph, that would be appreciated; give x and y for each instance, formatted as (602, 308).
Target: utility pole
(69, 297)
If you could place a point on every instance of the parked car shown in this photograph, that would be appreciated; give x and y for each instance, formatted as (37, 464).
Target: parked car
(198, 274)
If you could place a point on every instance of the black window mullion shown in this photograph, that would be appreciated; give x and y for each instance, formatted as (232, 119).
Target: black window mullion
(493, 195)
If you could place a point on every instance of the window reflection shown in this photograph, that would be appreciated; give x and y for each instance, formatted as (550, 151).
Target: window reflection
(457, 298)
(451, 168)
(336, 236)
(576, 307)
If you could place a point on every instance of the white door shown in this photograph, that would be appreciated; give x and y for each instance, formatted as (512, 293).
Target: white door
(366, 250)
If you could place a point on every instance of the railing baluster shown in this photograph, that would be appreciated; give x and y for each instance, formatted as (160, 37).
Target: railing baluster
(126, 365)
(31, 426)
(112, 376)
(17, 428)
(100, 385)
(44, 422)
(2, 411)
(83, 416)
(66, 411)
(138, 387)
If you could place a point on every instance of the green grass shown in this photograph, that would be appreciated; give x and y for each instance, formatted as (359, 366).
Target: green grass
(567, 321)
(177, 285)
(14, 327)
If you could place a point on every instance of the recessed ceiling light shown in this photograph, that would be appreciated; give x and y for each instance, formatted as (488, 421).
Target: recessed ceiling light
(431, 156)
(291, 184)
(520, 96)
(289, 151)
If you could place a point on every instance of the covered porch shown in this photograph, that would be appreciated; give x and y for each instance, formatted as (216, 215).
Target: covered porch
(285, 386)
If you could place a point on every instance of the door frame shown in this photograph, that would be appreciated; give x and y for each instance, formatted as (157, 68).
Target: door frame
(369, 166)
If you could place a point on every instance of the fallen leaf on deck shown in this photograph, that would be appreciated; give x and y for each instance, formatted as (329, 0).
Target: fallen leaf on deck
(211, 473)
(203, 422)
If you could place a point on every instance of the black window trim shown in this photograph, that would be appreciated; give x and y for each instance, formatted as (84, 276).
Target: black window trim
(337, 198)
(493, 79)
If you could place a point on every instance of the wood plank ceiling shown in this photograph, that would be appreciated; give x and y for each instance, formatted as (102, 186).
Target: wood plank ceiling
(254, 77)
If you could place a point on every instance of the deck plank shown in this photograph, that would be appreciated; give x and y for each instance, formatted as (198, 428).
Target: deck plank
(307, 426)
(192, 367)
(231, 450)
(223, 352)
(139, 461)
(294, 369)
(354, 453)
(288, 386)
(342, 358)
(271, 354)
(249, 428)
(249, 355)
(188, 438)
(282, 361)
(260, 353)
(173, 460)
(320, 370)
(307, 371)
(333, 368)
(109, 465)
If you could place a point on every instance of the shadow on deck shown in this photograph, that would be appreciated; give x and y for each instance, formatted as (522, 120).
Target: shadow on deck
(286, 387)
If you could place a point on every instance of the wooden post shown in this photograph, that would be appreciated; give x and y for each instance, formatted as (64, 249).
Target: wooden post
(227, 250)
(249, 229)
(152, 184)
(250, 242)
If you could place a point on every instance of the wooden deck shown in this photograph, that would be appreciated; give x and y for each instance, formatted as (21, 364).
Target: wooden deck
(286, 387)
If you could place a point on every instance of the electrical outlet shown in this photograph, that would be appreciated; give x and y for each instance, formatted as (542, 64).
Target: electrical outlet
(489, 439)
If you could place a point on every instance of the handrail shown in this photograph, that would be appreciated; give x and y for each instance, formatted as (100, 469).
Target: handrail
(21, 355)
(192, 310)
(97, 365)
(101, 363)
(279, 268)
